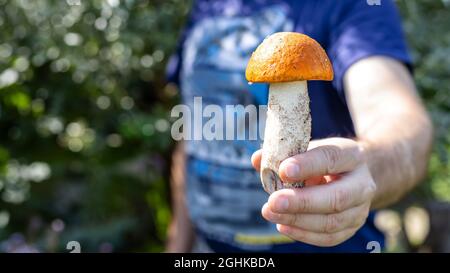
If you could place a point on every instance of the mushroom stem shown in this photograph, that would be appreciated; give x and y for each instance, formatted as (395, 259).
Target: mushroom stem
(287, 132)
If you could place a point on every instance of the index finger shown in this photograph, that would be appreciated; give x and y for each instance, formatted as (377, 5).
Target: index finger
(322, 160)
(327, 198)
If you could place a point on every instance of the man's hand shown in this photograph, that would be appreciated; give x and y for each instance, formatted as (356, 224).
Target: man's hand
(336, 200)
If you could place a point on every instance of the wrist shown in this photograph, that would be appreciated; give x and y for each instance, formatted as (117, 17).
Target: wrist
(368, 150)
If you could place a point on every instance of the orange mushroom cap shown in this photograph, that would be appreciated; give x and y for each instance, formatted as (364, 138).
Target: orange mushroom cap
(289, 56)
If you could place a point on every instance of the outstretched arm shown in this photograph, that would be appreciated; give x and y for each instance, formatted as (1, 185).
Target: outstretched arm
(346, 178)
(391, 123)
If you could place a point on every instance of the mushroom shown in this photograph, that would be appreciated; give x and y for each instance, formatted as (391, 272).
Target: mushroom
(286, 60)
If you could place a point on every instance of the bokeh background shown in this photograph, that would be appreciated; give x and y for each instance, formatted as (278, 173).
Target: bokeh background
(85, 131)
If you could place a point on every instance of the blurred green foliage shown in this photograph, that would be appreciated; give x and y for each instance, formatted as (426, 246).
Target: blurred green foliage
(85, 143)
(426, 25)
(85, 140)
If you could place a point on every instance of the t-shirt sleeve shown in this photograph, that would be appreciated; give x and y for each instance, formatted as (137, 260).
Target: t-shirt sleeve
(360, 30)
(173, 68)
(175, 63)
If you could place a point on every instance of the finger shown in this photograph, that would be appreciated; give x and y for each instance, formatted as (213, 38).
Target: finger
(314, 238)
(320, 161)
(256, 160)
(343, 142)
(322, 223)
(350, 191)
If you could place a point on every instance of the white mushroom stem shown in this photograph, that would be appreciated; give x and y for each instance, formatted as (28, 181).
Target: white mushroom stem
(287, 132)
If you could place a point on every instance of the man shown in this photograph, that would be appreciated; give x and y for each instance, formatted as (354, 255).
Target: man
(371, 133)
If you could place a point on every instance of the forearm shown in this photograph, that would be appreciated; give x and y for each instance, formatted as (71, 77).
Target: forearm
(391, 124)
(397, 150)
(180, 233)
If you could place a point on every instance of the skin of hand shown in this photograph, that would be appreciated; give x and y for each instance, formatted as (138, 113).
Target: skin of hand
(345, 178)
(336, 200)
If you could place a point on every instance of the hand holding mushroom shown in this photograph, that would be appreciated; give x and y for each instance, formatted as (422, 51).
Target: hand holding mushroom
(338, 190)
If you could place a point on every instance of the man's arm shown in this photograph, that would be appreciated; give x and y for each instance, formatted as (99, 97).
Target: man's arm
(345, 178)
(181, 233)
(391, 123)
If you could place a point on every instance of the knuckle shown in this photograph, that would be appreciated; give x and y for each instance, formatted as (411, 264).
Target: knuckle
(331, 223)
(303, 203)
(292, 219)
(339, 200)
(332, 155)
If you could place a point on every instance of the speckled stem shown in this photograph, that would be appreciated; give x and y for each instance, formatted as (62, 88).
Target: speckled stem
(287, 132)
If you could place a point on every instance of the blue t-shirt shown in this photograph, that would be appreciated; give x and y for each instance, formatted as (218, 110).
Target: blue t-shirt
(224, 193)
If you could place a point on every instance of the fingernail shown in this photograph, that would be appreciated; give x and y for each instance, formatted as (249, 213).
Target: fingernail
(282, 204)
(283, 229)
(292, 171)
